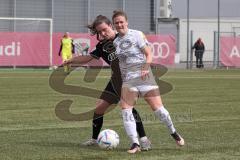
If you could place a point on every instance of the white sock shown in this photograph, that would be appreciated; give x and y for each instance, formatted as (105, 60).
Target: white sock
(164, 116)
(130, 125)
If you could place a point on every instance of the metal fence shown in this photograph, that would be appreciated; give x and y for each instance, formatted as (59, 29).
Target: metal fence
(209, 20)
(203, 18)
(74, 15)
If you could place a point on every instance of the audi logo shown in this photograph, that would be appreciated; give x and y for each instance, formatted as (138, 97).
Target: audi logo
(160, 50)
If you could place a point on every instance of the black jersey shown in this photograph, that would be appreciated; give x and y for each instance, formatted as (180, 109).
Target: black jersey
(106, 50)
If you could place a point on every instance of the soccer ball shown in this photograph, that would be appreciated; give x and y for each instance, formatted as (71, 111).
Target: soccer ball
(108, 139)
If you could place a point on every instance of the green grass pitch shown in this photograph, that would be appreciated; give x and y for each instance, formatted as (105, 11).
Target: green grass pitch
(204, 105)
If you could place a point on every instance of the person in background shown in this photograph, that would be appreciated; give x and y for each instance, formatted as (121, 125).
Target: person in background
(66, 50)
(199, 50)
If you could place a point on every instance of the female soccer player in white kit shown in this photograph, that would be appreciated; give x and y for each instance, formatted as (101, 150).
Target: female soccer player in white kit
(135, 58)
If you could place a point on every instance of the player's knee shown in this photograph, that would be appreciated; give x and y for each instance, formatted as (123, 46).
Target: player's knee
(101, 106)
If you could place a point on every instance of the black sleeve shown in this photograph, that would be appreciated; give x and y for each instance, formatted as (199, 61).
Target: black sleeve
(97, 53)
(194, 46)
(73, 47)
(60, 49)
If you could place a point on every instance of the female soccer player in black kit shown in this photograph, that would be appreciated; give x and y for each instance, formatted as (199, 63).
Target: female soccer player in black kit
(102, 28)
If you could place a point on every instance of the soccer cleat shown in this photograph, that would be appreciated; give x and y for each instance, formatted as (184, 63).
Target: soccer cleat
(145, 144)
(90, 142)
(134, 148)
(179, 140)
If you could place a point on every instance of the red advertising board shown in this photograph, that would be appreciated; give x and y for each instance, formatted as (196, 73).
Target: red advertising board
(230, 51)
(33, 49)
(24, 49)
(163, 48)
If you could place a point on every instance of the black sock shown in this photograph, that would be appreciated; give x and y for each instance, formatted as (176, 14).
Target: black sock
(175, 135)
(97, 123)
(140, 128)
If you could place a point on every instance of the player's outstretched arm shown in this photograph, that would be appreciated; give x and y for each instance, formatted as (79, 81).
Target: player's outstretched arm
(79, 60)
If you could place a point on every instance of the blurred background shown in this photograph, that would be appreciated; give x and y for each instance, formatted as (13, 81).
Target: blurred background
(184, 20)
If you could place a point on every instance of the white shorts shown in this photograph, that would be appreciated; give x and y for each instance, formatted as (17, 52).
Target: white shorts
(141, 89)
(141, 86)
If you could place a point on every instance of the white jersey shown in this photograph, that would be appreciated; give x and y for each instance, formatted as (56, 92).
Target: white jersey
(128, 51)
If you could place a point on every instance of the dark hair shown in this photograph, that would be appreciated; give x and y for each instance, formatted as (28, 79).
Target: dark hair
(98, 20)
(117, 13)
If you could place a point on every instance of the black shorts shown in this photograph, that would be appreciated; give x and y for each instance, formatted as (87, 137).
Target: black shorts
(111, 93)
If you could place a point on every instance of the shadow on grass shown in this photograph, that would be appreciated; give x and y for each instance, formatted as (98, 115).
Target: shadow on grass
(96, 148)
